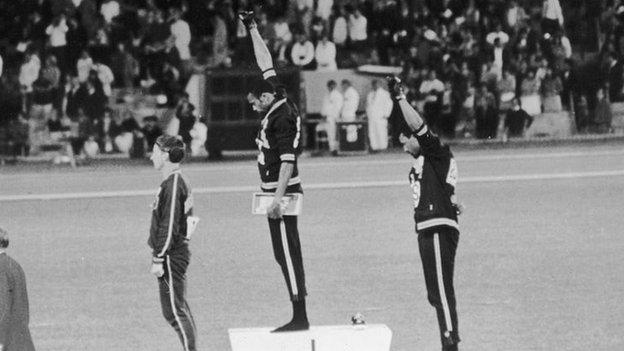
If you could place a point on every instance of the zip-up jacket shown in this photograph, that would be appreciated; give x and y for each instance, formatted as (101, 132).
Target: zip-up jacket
(278, 140)
(173, 204)
(433, 178)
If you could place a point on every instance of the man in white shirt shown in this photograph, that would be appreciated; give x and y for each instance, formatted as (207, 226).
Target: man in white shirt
(340, 30)
(181, 33)
(325, 55)
(330, 110)
(358, 29)
(302, 52)
(106, 76)
(324, 9)
(351, 101)
(57, 32)
(552, 16)
(498, 33)
(378, 109)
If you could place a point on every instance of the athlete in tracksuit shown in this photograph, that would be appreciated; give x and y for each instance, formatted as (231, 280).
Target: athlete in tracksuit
(169, 238)
(433, 178)
(278, 142)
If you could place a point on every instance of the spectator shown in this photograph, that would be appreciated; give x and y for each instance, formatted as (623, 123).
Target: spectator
(75, 97)
(516, 120)
(499, 34)
(615, 77)
(551, 92)
(486, 114)
(324, 10)
(43, 97)
(552, 16)
(602, 113)
(105, 76)
(125, 141)
(325, 55)
(109, 10)
(530, 98)
(351, 101)
(181, 33)
(302, 52)
(330, 110)
(515, 16)
(57, 32)
(431, 88)
(340, 29)
(110, 128)
(447, 119)
(358, 25)
(184, 113)
(84, 66)
(124, 66)
(51, 71)
(29, 72)
(95, 100)
(378, 108)
(151, 131)
(507, 90)
(199, 135)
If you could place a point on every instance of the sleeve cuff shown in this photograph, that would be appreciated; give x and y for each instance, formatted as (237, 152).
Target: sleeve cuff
(422, 130)
(269, 73)
(287, 157)
(158, 260)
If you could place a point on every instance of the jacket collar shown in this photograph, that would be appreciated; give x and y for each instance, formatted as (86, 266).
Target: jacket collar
(274, 107)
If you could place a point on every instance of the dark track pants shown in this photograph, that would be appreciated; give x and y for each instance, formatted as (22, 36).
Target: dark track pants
(437, 253)
(175, 309)
(287, 250)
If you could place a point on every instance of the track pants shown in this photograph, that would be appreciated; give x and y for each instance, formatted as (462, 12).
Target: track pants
(175, 309)
(437, 253)
(287, 250)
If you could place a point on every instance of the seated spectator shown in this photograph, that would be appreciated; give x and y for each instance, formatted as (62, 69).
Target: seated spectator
(507, 90)
(75, 97)
(185, 115)
(530, 97)
(324, 10)
(127, 134)
(18, 136)
(551, 92)
(151, 131)
(516, 120)
(499, 34)
(325, 55)
(105, 76)
(181, 34)
(29, 72)
(42, 98)
(110, 128)
(302, 52)
(515, 16)
(340, 29)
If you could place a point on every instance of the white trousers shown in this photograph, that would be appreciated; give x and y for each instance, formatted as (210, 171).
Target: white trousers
(378, 133)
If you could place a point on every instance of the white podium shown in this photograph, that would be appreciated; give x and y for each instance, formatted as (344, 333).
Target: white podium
(363, 337)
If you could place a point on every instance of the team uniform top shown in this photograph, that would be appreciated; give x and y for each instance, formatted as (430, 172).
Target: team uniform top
(279, 137)
(433, 178)
(173, 204)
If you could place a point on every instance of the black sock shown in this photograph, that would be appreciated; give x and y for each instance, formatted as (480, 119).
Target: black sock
(299, 310)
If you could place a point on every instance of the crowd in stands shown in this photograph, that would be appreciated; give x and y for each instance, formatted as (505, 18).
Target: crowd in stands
(469, 65)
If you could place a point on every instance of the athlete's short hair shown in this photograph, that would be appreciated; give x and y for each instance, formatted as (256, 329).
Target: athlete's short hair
(263, 86)
(4, 239)
(173, 146)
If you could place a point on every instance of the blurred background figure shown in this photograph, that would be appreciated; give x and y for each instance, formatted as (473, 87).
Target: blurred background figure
(330, 110)
(378, 108)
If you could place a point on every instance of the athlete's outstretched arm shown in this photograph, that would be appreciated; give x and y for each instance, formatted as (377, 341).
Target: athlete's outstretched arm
(261, 51)
(410, 115)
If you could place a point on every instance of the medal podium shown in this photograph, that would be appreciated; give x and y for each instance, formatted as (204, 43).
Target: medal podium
(362, 337)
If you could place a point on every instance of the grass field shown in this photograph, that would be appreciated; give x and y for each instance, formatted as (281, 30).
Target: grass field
(540, 264)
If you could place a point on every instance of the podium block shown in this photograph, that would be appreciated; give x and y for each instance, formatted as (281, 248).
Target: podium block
(373, 337)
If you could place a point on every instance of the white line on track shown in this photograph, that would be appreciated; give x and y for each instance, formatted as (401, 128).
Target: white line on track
(317, 186)
(362, 161)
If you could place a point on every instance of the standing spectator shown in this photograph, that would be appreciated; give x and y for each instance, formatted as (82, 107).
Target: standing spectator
(151, 131)
(43, 96)
(52, 73)
(199, 135)
(486, 114)
(330, 110)
(516, 120)
(57, 32)
(530, 98)
(84, 66)
(340, 29)
(105, 76)
(181, 33)
(378, 109)
(552, 16)
(14, 311)
(75, 97)
(506, 90)
(124, 66)
(351, 101)
(602, 113)
(431, 89)
(302, 52)
(551, 92)
(95, 100)
(358, 27)
(29, 72)
(325, 55)
(184, 113)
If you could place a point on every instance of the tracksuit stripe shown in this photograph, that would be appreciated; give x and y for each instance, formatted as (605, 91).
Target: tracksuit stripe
(171, 215)
(440, 278)
(289, 264)
(173, 306)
